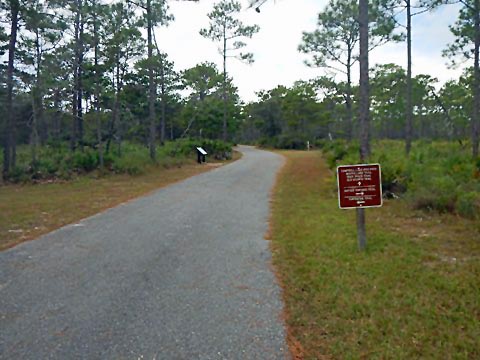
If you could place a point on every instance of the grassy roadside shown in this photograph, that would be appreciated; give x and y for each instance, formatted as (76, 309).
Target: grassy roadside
(28, 211)
(414, 294)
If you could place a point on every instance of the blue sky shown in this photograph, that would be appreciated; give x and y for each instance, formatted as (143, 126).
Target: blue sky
(275, 46)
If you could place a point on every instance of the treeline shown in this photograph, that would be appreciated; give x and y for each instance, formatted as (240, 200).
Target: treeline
(309, 111)
(89, 75)
(400, 105)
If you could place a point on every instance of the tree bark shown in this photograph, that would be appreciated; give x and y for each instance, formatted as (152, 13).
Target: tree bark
(34, 134)
(117, 85)
(9, 148)
(364, 110)
(58, 114)
(364, 82)
(162, 89)
(348, 98)
(409, 118)
(224, 87)
(97, 87)
(38, 93)
(476, 82)
(73, 138)
(151, 83)
(80, 55)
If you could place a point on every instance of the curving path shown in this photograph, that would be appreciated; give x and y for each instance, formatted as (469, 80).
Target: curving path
(180, 274)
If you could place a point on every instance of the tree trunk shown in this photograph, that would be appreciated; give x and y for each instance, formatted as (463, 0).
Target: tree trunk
(9, 148)
(73, 138)
(364, 110)
(224, 87)
(151, 83)
(476, 82)
(97, 87)
(348, 99)
(80, 51)
(162, 121)
(57, 116)
(409, 118)
(34, 133)
(364, 82)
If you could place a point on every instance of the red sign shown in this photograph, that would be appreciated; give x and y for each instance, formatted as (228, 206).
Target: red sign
(359, 186)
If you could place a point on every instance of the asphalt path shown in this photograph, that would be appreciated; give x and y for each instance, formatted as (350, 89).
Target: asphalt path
(183, 273)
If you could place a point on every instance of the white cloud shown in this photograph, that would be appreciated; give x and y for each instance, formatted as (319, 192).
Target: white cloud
(277, 60)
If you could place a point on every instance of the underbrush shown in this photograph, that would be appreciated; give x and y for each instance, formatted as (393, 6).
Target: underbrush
(57, 161)
(438, 175)
(216, 149)
(287, 142)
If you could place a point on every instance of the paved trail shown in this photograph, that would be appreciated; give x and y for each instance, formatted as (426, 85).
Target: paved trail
(180, 274)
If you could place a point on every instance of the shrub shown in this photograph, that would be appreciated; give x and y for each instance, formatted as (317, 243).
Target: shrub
(134, 161)
(187, 148)
(468, 204)
(436, 175)
(86, 160)
(293, 142)
(18, 175)
(434, 193)
(220, 150)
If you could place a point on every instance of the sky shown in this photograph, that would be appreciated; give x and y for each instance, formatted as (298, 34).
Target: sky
(277, 60)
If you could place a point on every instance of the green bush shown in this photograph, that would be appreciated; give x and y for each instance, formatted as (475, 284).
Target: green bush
(19, 175)
(134, 160)
(285, 141)
(437, 193)
(293, 142)
(220, 150)
(84, 161)
(216, 149)
(437, 176)
(56, 160)
(468, 204)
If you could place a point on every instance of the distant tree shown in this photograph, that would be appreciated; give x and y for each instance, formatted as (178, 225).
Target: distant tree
(287, 117)
(334, 44)
(96, 10)
(267, 112)
(168, 80)
(78, 10)
(155, 12)
(335, 95)
(206, 88)
(456, 99)
(225, 28)
(467, 46)
(388, 106)
(303, 112)
(43, 34)
(121, 43)
(202, 80)
(412, 9)
(12, 7)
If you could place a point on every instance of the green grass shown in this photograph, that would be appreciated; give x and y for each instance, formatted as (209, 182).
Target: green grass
(415, 292)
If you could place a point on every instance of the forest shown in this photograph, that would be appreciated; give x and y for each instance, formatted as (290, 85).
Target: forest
(85, 86)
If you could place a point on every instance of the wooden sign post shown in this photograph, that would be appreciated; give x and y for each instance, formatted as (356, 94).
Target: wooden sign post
(359, 186)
